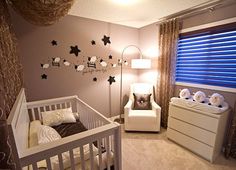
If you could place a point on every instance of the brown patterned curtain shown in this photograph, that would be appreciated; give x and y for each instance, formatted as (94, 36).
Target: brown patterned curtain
(168, 39)
(40, 12)
(230, 147)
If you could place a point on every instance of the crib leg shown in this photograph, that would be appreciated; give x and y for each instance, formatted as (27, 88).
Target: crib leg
(15, 155)
(117, 149)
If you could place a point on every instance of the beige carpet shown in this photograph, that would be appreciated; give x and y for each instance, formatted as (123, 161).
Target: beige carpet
(153, 151)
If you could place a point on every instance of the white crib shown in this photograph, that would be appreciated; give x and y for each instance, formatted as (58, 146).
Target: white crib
(106, 133)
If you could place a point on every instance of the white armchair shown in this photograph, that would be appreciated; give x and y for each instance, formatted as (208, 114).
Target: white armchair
(142, 120)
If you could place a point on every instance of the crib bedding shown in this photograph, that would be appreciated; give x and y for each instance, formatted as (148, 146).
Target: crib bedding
(67, 129)
(33, 133)
(64, 130)
(204, 107)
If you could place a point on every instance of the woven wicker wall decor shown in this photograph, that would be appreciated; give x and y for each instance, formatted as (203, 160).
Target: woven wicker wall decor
(41, 12)
(10, 82)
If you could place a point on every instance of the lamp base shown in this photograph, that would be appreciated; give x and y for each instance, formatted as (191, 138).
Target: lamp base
(119, 120)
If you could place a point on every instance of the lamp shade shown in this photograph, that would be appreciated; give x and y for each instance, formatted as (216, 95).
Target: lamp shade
(140, 63)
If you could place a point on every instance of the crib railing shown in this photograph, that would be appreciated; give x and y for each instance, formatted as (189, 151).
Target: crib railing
(88, 116)
(101, 130)
(35, 108)
(56, 148)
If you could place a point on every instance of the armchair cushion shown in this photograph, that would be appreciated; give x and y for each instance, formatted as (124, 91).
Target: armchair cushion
(142, 101)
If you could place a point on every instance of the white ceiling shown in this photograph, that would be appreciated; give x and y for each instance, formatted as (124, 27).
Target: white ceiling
(133, 13)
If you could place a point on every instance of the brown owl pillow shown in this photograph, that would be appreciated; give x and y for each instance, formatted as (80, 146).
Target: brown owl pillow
(142, 101)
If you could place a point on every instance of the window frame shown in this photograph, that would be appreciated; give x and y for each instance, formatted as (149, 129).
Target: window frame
(227, 24)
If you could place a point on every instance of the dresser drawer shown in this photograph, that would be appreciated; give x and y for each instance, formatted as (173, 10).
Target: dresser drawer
(195, 132)
(191, 144)
(200, 120)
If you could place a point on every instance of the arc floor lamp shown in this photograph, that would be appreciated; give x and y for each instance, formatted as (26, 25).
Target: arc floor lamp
(139, 63)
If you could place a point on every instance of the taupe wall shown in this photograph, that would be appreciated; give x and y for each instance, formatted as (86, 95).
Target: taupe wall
(208, 17)
(35, 48)
(148, 42)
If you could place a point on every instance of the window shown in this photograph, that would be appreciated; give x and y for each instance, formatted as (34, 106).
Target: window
(208, 57)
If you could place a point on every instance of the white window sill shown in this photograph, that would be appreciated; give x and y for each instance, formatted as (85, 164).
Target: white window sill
(204, 86)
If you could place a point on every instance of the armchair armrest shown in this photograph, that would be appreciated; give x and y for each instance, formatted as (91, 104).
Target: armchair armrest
(127, 108)
(156, 107)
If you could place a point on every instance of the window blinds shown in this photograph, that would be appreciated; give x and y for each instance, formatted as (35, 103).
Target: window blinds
(207, 58)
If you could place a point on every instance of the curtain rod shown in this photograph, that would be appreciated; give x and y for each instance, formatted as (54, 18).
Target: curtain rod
(195, 10)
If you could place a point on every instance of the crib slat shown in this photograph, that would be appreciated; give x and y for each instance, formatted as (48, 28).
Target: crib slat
(60, 161)
(117, 149)
(82, 157)
(67, 104)
(100, 154)
(88, 118)
(94, 122)
(108, 155)
(30, 114)
(51, 107)
(72, 161)
(38, 113)
(44, 109)
(103, 142)
(91, 156)
(49, 167)
(112, 142)
(34, 165)
(33, 114)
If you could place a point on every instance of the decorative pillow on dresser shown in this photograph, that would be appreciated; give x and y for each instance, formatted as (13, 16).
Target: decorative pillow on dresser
(142, 101)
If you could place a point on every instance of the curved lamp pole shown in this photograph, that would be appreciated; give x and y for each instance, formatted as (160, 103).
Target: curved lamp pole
(133, 65)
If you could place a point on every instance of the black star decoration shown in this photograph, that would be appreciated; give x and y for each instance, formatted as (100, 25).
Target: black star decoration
(93, 42)
(44, 76)
(54, 42)
(110, 56)
(106, 40)
(74, 50)
(111, 79)
(95, 79)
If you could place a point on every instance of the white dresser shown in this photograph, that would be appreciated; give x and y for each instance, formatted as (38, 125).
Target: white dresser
(202, 133)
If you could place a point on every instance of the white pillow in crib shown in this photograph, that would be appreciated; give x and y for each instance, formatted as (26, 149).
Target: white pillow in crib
(68, 115)
(47, 134)
(57, 117)
(52, 118)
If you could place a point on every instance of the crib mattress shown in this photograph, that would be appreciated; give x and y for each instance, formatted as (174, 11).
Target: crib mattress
(202, 107)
